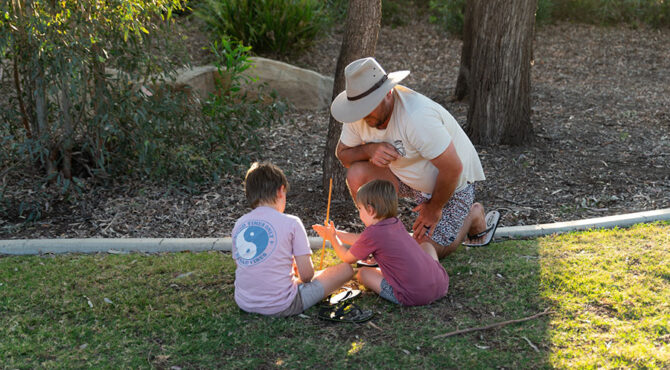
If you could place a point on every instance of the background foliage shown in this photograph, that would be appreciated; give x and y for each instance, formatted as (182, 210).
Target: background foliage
(278, 26)
(88, 93)
(655, 13)
(91, 96)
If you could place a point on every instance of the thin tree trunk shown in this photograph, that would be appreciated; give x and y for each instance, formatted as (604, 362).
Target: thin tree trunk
(43, 132)
(99, 103)
(359, 41)
(68, 131)
(22, 106)
(499, 78)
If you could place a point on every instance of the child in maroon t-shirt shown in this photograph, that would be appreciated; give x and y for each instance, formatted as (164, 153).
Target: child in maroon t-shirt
(408, 274)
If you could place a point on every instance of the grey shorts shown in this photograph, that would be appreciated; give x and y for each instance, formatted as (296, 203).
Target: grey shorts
(308, 295)
(453, 213)
(387, 292)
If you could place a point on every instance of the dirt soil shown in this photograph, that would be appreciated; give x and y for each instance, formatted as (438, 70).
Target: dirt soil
(601, 116)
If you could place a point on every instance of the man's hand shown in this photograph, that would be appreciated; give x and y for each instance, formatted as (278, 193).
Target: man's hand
(426, 221)
(381, 154)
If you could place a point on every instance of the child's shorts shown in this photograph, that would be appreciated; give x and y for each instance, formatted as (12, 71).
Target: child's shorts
(387, 292)
(453, 213)
(308, 295)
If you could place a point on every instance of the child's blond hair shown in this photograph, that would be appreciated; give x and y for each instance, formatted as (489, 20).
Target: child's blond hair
(381, 196)
(262, 182)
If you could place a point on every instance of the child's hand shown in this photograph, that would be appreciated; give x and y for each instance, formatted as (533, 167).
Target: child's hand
(326, 232)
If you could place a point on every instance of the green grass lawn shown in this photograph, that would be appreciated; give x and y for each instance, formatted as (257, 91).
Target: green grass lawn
(609, 293)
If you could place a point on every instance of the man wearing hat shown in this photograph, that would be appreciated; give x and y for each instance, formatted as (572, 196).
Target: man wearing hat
(391, 132)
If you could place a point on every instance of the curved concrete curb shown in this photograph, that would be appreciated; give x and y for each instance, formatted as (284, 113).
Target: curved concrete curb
(122, 245)
(154, 245)
(609, 222)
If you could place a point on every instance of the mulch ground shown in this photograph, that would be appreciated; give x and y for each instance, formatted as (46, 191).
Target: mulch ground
(601, 116)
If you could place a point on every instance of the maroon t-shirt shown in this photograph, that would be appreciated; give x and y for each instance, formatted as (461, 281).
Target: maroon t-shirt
(416, 278)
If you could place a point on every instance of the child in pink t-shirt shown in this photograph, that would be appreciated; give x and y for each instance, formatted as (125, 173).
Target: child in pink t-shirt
(274, 274)
(408, 273)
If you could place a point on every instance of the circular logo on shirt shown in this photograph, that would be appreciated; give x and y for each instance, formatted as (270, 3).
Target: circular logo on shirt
(254, 242)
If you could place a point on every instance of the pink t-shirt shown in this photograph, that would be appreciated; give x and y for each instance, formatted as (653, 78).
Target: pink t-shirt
(416, 278)
(264, 243)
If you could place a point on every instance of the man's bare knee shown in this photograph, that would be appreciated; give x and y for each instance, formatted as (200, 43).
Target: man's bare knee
(443, 251)
(357, 175)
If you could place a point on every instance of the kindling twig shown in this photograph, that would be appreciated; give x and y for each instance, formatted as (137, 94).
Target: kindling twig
(323, 247)
(496, 325)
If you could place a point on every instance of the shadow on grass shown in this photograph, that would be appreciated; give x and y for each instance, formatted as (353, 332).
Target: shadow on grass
(178, 310)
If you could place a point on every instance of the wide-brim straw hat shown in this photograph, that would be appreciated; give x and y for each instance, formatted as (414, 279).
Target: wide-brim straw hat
(366, 85)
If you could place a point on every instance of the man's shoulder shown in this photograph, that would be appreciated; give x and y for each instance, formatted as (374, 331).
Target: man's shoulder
(417, 106)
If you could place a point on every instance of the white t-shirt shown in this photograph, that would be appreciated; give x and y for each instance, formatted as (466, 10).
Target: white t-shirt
(420, 129)
(264, 243)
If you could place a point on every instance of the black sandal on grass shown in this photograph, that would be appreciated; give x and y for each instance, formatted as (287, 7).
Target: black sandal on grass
(345, 312)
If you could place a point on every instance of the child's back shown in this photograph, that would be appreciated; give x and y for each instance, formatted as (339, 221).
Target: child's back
(275, 275)
(264, 243)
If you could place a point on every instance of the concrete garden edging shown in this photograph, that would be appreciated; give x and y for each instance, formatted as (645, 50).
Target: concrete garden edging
(303, 88)
(155, 245)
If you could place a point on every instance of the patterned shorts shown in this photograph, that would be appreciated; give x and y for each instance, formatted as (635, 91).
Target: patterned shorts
(387, 292)
(453, 213)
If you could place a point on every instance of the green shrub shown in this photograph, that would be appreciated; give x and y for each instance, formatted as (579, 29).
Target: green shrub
(169, 135)
(609, 12)
(63, 99)
(271, 26)
(543, 15)
(395, 13)
(450, 13)
(73, 116)
(337, 10)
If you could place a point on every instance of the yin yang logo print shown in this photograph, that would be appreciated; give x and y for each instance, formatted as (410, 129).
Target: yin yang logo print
(254, 242)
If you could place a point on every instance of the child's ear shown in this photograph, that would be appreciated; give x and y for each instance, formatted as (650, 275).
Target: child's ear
(281, 191)
(371, 210)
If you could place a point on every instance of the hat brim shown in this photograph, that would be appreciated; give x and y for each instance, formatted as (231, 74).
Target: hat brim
(347, 111)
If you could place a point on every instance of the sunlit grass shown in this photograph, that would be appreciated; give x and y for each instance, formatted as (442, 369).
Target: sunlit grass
(611, 294)
(609, 291)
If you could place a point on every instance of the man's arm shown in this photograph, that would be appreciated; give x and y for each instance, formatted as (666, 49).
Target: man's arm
(379, 154)
(450, 167)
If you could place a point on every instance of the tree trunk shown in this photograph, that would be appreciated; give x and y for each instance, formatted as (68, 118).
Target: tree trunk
(359, 41)
(461, 91)
(499, 75)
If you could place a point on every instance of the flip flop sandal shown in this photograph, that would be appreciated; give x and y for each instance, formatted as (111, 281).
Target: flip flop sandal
(492, 219)
(345, 312)
(342, 296)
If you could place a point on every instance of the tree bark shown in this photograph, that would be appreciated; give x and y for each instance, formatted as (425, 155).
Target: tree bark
(461, 91)
(359, 41)
(499, 74)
